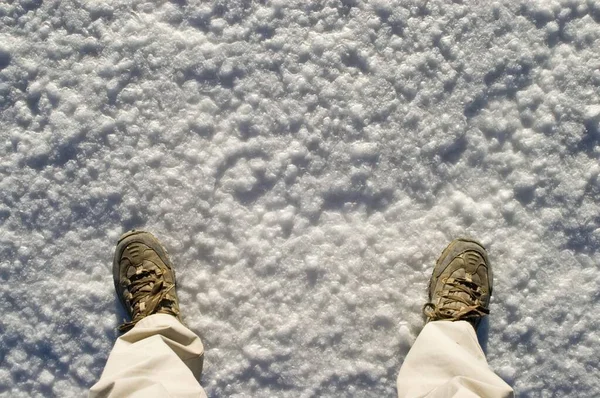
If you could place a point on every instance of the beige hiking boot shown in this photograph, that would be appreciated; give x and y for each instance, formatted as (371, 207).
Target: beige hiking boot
(144, 277)
(461, 284)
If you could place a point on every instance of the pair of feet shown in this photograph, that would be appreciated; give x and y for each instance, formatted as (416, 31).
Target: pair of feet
(459, 289)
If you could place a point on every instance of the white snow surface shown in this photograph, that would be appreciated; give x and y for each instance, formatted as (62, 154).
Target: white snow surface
(304, 162)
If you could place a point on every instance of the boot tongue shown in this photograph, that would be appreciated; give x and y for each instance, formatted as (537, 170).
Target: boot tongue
(457, 305)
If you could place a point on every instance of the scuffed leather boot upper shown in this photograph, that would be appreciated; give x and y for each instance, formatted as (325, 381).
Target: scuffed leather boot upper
(461, 285)
(144, 278)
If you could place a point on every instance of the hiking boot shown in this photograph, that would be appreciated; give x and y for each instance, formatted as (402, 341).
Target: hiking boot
(144, 278)
(461, 284)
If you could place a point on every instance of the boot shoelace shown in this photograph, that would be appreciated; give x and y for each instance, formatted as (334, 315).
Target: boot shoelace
(472, 308)
(146, 284)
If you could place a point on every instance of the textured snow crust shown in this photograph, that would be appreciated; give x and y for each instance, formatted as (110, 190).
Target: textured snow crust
(304, 162)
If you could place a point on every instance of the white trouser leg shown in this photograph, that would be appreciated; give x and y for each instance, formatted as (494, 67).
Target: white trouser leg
(446, 360)
(158, 358)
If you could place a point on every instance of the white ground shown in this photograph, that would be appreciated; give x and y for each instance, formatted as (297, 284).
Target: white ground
(305, 163)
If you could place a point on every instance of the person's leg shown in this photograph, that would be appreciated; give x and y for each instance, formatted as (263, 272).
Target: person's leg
(446, 360)
(158, 356)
